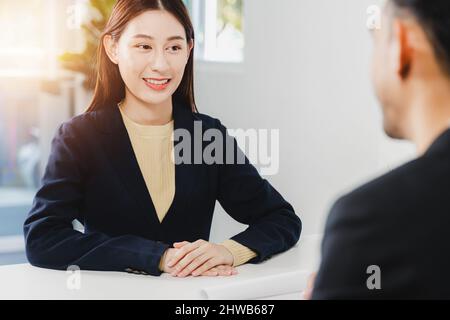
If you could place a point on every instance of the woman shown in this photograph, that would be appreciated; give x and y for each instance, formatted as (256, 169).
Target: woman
(112, 167)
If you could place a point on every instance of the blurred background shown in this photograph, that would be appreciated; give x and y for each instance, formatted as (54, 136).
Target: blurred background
(300, 66)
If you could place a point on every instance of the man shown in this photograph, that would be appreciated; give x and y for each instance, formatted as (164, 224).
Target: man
(390, 239)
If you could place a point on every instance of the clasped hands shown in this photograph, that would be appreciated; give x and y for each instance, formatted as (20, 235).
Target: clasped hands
(199, 258)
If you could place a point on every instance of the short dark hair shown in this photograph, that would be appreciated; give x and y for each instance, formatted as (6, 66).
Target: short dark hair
(434, 16)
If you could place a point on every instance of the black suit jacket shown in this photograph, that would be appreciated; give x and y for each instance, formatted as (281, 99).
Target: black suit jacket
(400, 223)
(93, 176)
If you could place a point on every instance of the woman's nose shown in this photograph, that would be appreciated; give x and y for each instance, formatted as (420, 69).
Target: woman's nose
(159, 61)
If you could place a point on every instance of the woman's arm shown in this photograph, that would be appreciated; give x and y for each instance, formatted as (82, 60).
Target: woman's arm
(273, 225)
(248, 198)
(50, 239)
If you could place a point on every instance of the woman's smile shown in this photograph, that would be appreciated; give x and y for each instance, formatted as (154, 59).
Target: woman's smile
(156, 84)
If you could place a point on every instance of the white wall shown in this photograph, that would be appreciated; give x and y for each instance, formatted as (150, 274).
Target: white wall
(306, 72)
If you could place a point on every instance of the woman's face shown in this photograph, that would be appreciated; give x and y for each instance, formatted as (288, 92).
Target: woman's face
(151, 54)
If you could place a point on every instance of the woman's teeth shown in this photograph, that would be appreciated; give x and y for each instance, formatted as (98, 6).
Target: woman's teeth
(156, 82)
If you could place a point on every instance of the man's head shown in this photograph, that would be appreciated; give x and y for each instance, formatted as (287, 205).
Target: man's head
(411, 53)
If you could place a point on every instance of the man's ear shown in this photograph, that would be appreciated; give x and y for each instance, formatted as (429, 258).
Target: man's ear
(404, 51)
(111, 48)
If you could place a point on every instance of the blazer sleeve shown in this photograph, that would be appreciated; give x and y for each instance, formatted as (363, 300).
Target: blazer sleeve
(273, 226)
(50, 240)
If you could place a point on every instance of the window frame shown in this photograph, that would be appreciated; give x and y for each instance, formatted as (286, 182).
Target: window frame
(204, 18)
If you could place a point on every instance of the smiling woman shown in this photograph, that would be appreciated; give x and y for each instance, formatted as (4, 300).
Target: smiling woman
(169, 50)
(172, 43)
(112, 167)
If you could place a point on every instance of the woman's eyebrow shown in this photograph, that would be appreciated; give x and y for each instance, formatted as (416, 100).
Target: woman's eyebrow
(152, 38)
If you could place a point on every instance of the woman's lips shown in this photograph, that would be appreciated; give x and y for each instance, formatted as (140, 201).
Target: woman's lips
(157, 84)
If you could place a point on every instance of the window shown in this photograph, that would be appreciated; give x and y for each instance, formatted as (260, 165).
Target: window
(19, 162)
(27, 50)
(22, 27)
(219, 29)
(33, 34)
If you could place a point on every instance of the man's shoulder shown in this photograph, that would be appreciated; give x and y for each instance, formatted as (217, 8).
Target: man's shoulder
(398, 188)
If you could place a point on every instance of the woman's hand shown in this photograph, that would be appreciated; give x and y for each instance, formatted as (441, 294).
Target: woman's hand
(199, 257)
(222, 270)
(167, 256)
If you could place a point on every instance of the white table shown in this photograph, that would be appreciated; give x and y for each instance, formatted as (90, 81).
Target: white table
(284, 276)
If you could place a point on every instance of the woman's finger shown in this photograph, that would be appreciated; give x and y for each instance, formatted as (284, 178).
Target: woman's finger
(180, 244)
(209, 264)
(210, 273)
(183, 251)
(188, 259)
(192, 261)
(221, 270)
(225, 270)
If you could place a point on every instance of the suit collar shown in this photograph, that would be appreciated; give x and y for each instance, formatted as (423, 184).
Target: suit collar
(441, 144)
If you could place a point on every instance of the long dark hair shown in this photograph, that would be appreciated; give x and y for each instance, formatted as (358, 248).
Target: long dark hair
(110, 87)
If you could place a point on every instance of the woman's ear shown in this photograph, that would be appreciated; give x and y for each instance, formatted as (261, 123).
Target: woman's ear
(190, 47)
(111, 48)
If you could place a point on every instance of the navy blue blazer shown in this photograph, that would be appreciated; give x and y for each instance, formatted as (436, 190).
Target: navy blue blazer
(92, 175)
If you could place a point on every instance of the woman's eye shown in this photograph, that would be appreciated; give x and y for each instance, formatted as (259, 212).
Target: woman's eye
(144, 46)
(175, 48)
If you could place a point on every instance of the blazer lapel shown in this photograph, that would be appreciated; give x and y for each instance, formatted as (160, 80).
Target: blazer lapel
(123, 159)
(184, 173)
